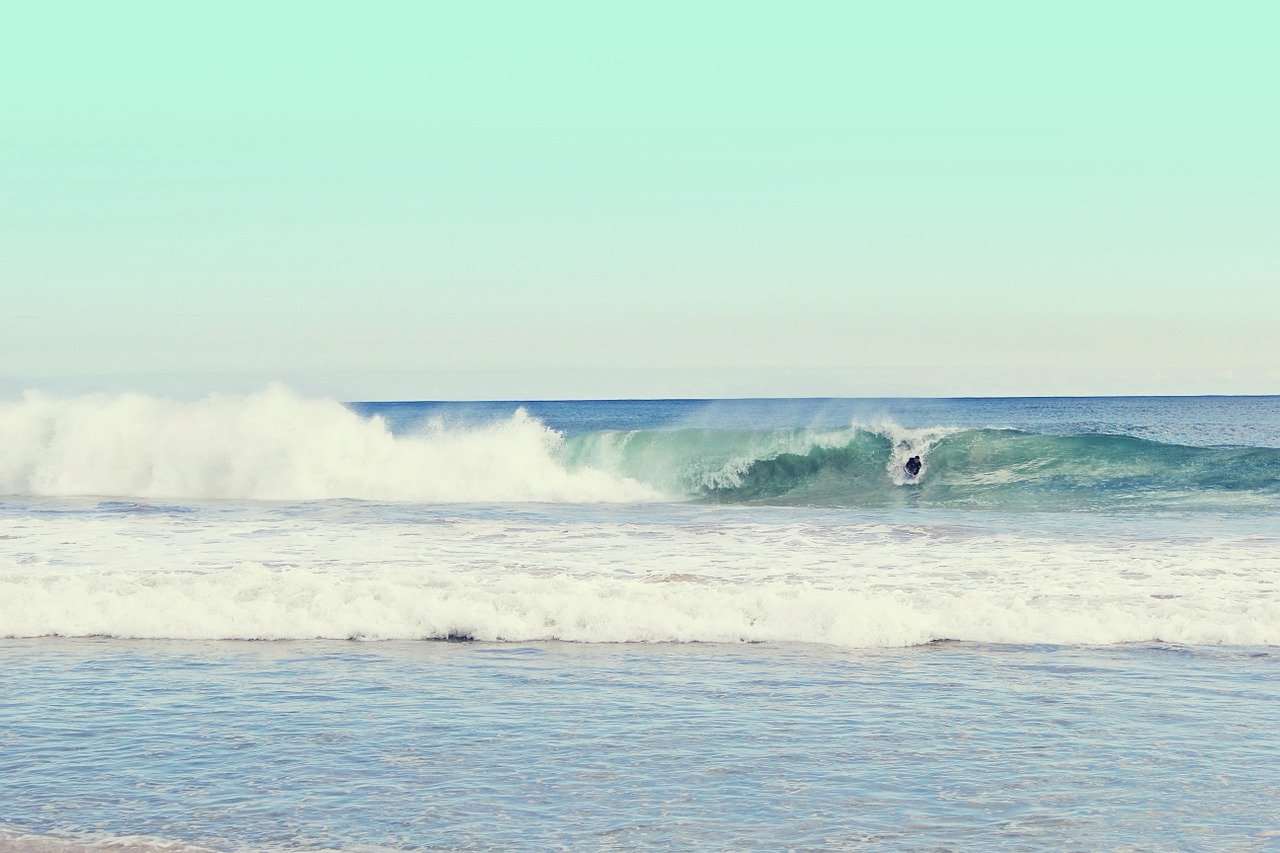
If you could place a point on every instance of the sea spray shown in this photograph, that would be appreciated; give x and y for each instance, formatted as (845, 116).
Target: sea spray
(276, 445)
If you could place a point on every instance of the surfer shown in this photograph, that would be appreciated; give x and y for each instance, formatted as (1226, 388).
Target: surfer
(913, 466)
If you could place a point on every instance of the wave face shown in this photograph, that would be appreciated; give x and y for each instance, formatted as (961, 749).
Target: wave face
(978, 468)
(278, 446)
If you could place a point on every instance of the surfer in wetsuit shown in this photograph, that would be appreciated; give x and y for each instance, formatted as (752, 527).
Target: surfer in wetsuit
(913, 466)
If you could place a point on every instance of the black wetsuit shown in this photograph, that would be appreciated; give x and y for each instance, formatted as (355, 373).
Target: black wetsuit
(913, 465)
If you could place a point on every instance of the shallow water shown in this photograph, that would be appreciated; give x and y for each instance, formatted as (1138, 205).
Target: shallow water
(297, 745)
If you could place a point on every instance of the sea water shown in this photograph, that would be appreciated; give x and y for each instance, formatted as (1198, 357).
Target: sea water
(272, 622)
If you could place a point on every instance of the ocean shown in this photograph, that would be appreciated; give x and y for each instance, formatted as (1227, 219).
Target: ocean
(273, 622)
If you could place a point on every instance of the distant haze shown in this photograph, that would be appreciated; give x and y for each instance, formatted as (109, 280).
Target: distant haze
(432, 201)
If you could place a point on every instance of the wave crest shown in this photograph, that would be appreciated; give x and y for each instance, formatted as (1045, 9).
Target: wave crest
(276, 445)
(997, 469)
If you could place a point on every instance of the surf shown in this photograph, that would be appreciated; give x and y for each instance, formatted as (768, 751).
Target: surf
(361, 571)
(990, 469)
(276, 445)
(279, 446)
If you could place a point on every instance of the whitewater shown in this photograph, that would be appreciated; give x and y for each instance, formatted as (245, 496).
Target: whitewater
(356, 572)
(278, 446)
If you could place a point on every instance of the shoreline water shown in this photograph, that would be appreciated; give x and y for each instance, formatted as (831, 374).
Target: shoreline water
(304, 745)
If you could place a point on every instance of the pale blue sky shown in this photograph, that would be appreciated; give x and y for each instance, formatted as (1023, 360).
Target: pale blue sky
(525, 200)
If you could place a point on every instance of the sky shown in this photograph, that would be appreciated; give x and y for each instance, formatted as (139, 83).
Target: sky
(542, 200)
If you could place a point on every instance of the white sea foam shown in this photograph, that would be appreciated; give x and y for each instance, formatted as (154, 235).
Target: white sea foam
(908, 442)
(332, 572)
(276, 445)
(250, 601)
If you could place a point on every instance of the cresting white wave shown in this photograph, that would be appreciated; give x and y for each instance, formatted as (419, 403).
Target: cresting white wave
(277, 446)
(907, 443)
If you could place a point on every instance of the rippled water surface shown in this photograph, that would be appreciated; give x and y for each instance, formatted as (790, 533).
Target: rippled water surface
(465, 745)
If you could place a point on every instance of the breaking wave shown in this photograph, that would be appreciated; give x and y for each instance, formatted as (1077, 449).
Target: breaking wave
(997, 469)
(278, 446)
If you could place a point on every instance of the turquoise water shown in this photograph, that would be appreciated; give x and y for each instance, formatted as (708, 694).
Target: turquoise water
(273, 623)
(1007, 454)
